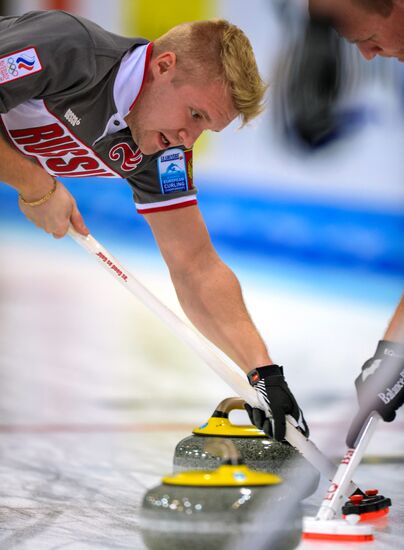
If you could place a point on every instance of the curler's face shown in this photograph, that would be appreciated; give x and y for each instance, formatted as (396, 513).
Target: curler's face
(372, 32)
(173, 110)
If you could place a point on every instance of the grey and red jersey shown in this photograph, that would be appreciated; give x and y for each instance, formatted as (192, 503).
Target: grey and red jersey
(66, 85)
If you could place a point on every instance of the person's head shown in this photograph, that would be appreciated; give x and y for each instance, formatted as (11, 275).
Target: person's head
(201, 76)
(375, 26)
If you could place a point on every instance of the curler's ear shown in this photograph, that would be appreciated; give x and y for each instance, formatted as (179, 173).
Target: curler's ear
(164, 63)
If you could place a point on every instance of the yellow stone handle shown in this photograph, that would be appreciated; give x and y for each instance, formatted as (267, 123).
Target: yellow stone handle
(227, 405)
(220, 425)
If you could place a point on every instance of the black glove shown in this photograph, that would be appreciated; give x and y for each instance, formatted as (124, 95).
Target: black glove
(380, 387)
(276, 400)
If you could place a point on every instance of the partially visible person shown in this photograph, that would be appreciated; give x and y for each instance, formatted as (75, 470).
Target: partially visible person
(376, 27)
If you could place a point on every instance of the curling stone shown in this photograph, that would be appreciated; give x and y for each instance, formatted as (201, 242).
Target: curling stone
(256, 450)
(203, 510)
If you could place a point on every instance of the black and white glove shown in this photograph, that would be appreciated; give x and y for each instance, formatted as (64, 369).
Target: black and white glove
(380, 387)
(276, 400)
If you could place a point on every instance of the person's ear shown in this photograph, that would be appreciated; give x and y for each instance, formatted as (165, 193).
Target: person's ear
(165, 63)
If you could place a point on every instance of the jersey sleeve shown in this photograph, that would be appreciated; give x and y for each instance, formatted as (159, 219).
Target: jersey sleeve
(165, 183)
(43, 54)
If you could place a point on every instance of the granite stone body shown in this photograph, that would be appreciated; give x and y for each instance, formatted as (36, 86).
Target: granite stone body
(205, 518)
(259, 454)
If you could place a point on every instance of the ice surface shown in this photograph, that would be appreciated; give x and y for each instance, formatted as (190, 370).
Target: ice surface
(95, 392)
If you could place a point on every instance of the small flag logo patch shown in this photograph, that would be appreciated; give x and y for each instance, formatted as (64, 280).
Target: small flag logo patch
(18, 65)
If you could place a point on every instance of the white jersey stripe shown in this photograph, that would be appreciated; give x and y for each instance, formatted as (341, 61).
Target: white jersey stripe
(164, 204)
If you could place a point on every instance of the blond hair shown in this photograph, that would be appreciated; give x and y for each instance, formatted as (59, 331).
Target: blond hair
(217, 50)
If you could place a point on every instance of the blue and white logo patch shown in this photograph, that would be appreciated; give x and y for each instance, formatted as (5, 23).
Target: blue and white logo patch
(172, 171)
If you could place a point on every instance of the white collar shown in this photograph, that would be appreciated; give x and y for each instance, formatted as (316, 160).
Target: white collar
(130, 78)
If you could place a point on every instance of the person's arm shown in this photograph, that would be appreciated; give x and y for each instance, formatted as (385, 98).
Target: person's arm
(395, 329)
(380, 384)
(207, 289)
(33, 183)
(211, 297)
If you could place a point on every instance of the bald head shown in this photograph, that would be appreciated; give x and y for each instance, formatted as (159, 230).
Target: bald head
(375, 26)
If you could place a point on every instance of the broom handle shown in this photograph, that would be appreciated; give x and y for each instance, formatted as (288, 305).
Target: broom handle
(215, 358)
(335, 494)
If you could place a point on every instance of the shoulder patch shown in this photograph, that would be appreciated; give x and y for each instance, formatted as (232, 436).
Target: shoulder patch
(19, 64)
(172, 171)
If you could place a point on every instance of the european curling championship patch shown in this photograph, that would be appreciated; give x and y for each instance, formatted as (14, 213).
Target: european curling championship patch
(172, 171)
(19, 64)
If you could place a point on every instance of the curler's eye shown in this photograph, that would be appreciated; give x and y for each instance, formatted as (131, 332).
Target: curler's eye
(195, 115)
